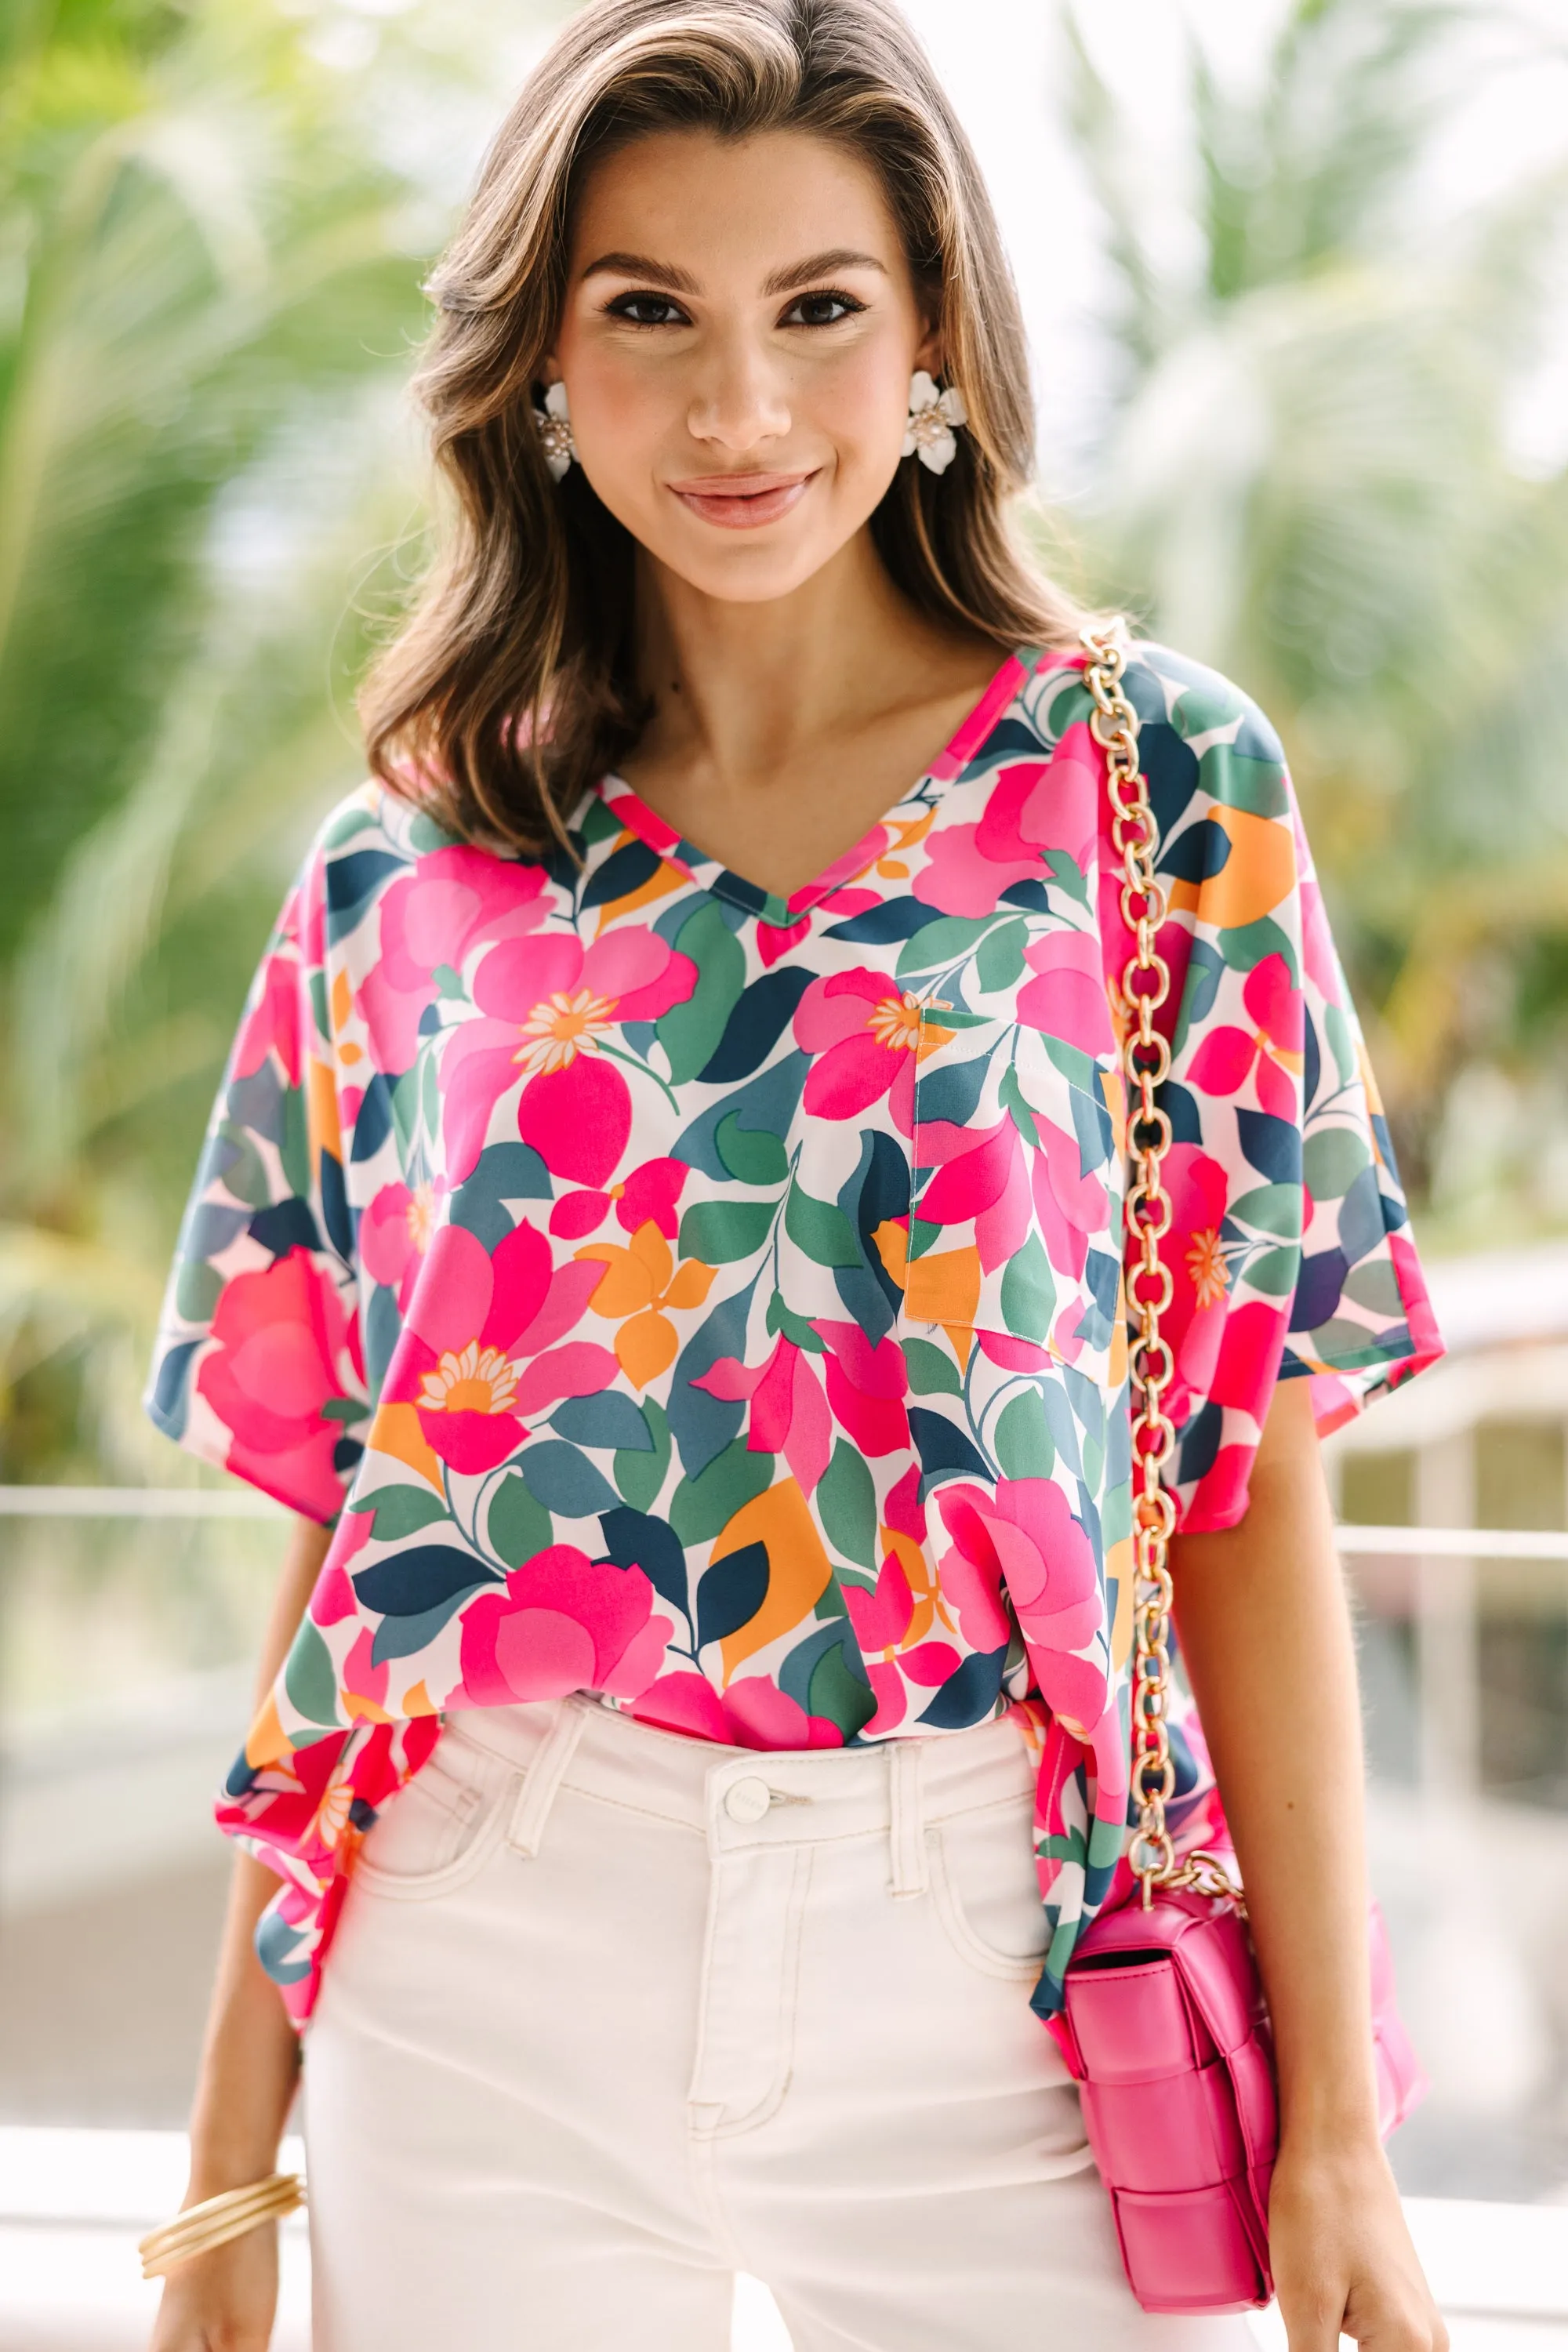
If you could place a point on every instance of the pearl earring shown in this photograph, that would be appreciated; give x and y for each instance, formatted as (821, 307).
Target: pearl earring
(554, 425)
(933, 415)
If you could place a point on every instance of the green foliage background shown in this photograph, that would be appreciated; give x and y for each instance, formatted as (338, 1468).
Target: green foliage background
(214, 220)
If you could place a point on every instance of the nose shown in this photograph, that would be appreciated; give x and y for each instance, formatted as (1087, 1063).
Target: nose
(740, 400)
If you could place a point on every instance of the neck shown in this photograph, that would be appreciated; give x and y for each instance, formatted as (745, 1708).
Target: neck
(743, 689)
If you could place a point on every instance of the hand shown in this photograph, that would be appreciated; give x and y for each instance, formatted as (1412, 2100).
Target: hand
(224, 2301)
(1342, 2256)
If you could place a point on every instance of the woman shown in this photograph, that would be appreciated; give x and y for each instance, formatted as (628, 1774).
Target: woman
(661, 1233)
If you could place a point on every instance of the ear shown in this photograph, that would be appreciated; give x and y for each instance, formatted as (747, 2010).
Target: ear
(929, 353)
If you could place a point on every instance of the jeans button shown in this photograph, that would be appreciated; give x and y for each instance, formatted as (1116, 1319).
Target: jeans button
(747, 1801)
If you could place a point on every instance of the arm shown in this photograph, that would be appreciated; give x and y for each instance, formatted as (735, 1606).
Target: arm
(249, 2065)
(1265, 1632)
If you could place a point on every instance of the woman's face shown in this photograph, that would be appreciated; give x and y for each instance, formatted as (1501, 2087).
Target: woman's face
(739, 332)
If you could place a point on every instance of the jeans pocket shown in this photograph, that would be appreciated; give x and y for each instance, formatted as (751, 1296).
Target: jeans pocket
(986, 1890)
(438, 1830)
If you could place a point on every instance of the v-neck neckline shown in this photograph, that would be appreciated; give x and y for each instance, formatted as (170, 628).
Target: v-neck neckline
(766, 906)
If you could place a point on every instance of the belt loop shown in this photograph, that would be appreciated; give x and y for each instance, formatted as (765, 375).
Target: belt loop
(542, 1779)
(906, 1823)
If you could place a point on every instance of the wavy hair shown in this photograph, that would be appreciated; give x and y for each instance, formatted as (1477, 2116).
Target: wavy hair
(512, 686)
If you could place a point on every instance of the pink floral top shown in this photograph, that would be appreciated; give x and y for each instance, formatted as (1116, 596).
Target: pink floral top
(715, 1304)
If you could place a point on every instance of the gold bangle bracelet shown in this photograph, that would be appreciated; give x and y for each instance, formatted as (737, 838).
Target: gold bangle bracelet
(217, 2220)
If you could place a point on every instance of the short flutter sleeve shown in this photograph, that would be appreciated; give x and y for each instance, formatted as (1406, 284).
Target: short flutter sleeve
(257, 1366)
(1288, 1246)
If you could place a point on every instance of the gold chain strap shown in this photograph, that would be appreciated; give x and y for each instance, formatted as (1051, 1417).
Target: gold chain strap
(1146, 1059)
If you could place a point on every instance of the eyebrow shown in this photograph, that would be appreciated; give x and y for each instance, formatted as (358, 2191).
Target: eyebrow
(780, 282)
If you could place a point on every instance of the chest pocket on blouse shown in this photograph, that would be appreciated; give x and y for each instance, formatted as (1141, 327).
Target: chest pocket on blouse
(1014, 1221)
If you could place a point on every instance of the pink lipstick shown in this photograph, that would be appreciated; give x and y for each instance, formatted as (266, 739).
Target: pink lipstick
(741, 501)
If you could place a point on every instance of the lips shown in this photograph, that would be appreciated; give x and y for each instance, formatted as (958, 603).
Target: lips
(741, 501)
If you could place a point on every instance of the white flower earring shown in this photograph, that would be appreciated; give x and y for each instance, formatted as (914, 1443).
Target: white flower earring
(932, 419)
(555, 423)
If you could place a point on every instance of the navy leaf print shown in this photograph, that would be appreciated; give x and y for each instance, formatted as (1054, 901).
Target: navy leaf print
(731, 1592)
(944, 1451)
(759, 1019)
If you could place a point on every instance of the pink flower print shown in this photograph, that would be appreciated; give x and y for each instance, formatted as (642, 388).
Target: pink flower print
(649, 1196)
(1052, 804)
(1067, 998)
(283, 1350)
(1227, 1057)
(563, 1623)
(789, 1413)
(959, 878)
(776, 939)
(271, 1024)
(753, 1713)
(549, 1005)
(450, 901)
(1195, 1320)
(981, 1176)
(866, 1387)
(362, 1683)
(395, 1234)
(892, 1625)
(867, 1035)
(1071, 1207)
(1028, 1537)
(474, 1356)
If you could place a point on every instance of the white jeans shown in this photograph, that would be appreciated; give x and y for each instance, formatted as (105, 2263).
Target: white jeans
(612, 2014)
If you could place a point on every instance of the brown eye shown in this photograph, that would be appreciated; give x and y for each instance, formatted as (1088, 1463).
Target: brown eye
(647, 310)
(820, 309)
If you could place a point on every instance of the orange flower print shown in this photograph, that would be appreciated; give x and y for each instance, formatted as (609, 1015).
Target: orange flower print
(1206, 1263)
(639, 1282)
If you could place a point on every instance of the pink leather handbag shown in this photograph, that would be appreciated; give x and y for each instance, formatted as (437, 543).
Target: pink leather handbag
(1165, 2026)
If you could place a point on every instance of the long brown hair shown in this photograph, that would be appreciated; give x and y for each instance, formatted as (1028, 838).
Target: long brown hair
(512, 687)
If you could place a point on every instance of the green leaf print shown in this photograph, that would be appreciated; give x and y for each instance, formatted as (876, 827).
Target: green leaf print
(1028, 1293)
(1274, 1272)
(948, 940)
(931, 1373)
(1331, 1159)
(1024, 1445)
(1340, 1042)
(1271, 1209)
(294, 1146)
(405, 1114)
(689, 1032)
(820, 1228)
(639, 1474)
(1249, 943)
(1375, 1286)
(518, 1525)
(309, 1678)
(753, 1154)
(400, 1511)
(794, 1326)
(721, 1232)
(837, 1691)
(243, 1173)
(564, 1480)
(847, 1506)
(1001, 957)
(197, 1289)
(1068, 876)
(701, 1508)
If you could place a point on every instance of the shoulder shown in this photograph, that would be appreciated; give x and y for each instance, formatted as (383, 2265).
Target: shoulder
(376, 841)
(1205, 742)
